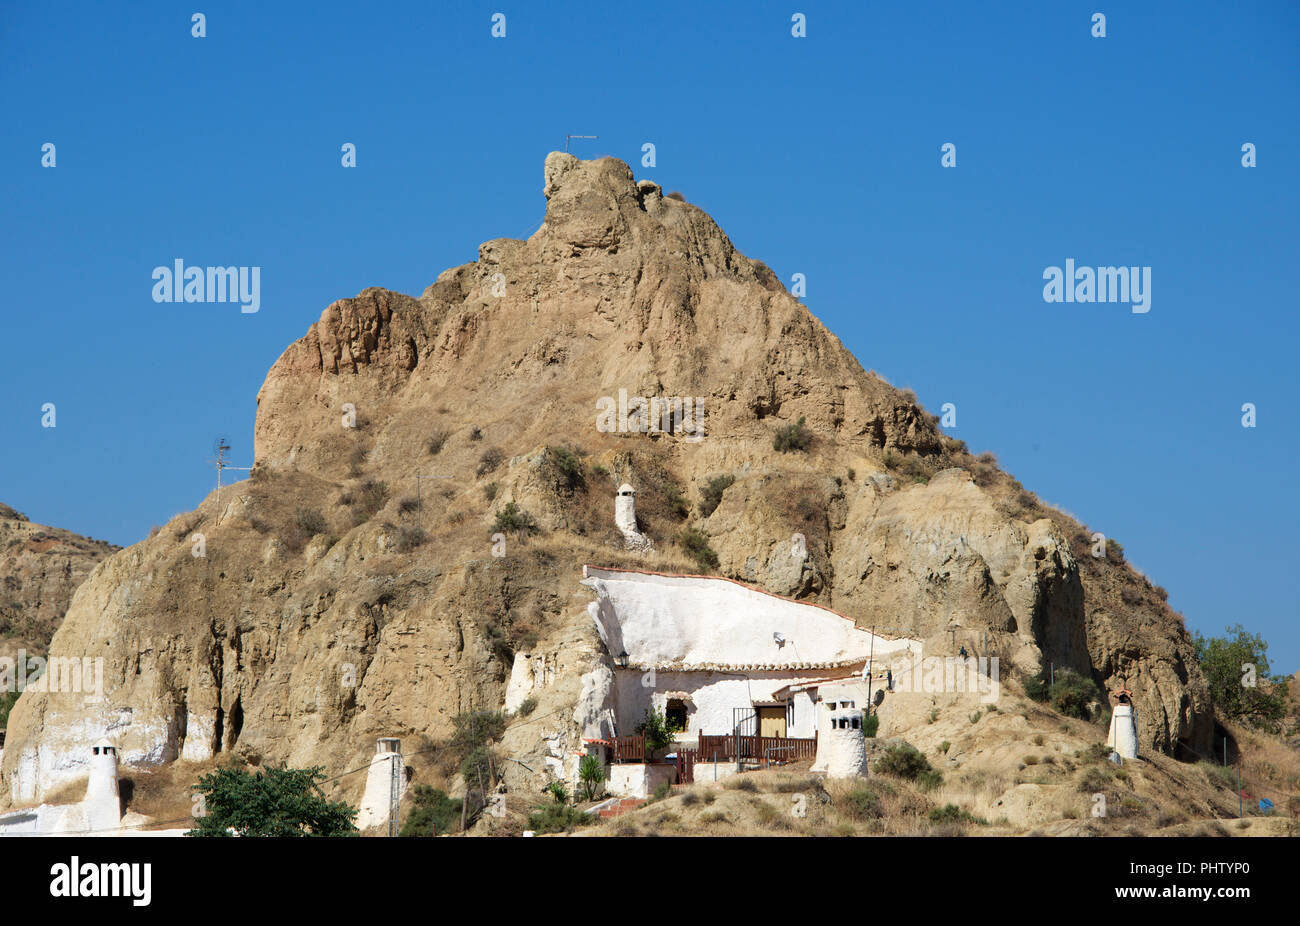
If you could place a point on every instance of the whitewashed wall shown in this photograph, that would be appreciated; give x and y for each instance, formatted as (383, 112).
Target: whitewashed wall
(698, 620)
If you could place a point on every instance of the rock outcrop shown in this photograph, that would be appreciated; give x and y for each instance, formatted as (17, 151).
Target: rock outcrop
(332, 607)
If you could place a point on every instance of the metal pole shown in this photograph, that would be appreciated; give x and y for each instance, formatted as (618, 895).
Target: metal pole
(871, 656)
(394, 787)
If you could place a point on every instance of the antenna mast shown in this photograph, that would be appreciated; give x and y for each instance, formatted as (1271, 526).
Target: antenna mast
(567, 137)
(220, 447)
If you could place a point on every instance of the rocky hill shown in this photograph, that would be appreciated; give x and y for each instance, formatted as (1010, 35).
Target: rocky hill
(331, 607)
(40, 568)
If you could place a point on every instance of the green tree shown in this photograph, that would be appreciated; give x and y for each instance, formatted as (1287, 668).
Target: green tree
(270, 802)
(654, 727)
(1235, 687)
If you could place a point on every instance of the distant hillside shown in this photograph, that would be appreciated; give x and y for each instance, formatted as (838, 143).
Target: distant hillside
(40, 568)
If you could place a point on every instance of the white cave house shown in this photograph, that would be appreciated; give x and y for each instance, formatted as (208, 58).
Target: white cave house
(714, 654)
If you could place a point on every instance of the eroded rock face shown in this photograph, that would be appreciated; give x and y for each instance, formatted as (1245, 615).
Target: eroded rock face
(279, 646)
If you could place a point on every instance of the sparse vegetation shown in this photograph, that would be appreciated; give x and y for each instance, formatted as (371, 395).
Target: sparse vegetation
(558, 818)
(793, 437)
(310, 522)
(409, 537)
(511, 520)
(711, 494)
(951, 813)
(489, 460)
(696, 544)
(862, 803)
(356, 460)
(566, 469)
(437, 440)
(368, 499)
(432, 813)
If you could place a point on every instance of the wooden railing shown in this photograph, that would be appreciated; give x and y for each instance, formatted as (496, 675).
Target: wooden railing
(729, 748)
(629, 749)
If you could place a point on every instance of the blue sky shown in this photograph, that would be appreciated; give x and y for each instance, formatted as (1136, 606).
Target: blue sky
(818, 156)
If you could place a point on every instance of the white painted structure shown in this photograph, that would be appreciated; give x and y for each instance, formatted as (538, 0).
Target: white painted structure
(376, 801)
(625, 519)
(841, 740)
(102, 802)
(1122, 737)
(712, 645)
(638, 779)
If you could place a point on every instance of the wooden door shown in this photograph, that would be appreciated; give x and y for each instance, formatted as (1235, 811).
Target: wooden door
(771, 721)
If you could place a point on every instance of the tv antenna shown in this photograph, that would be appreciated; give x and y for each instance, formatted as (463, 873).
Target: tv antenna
(567, 137)
(220, 447)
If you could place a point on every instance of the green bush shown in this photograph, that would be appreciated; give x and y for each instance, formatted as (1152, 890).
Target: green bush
(1093, 779)
(511, 519)
(861, 804)
(310, 521)
(903, 760)
(409, 537)
(696, 544)
(711, 494)
(432, 813)
(929, 780)
(369, 498)
(7, 701)
(870, 724)
(558, 818)
(793, 437)
(951, 813)
(1071, 694)
(558, 791)
(566, 468)
(1036, 686)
